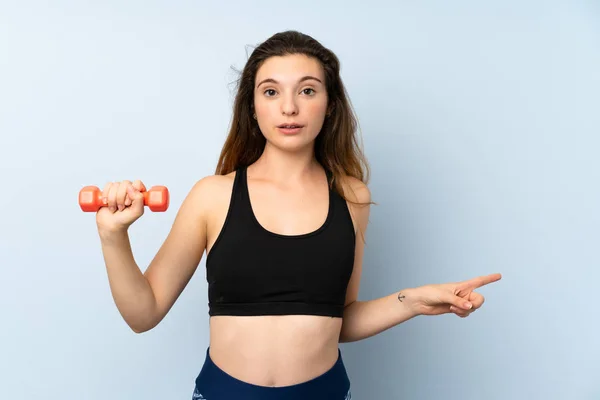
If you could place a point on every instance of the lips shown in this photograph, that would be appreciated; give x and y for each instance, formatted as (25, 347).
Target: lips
(288, 129)
(290, 126)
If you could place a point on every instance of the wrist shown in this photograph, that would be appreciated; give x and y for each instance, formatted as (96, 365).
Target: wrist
(112, 235)
(408, 297)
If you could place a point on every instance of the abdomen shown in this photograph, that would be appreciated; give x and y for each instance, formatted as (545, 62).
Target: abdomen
(274, 350)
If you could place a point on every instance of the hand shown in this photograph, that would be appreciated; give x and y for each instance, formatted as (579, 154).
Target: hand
(458, 298)
(124, 205)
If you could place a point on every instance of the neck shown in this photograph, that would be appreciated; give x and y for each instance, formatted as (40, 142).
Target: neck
(286, 167)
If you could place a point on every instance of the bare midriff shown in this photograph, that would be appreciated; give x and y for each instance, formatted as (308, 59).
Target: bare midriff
(274, 351)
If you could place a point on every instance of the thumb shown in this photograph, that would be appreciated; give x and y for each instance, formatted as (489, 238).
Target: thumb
(459, 302)
(137, 197)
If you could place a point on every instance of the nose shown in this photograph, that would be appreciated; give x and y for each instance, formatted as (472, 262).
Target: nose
(288, 105)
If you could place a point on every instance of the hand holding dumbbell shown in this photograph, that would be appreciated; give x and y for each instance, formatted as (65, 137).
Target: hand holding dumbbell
(121, 203)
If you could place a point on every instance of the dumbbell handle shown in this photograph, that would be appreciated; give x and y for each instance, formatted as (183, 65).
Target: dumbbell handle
(157, 198)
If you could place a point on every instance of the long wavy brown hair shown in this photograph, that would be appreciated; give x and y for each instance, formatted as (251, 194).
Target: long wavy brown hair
(336, 145)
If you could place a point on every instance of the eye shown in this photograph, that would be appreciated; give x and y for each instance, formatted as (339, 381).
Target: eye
(269, 90)
(304, 90)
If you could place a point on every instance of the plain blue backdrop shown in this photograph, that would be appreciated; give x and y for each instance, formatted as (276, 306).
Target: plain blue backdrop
(480, 121)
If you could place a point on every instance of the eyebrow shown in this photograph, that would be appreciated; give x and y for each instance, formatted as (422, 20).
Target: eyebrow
(304, 78)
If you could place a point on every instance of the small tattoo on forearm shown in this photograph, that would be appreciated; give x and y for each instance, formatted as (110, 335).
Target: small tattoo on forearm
(401, 296)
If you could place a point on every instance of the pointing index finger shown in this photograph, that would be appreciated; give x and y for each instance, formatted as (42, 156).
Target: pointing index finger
(481, 281)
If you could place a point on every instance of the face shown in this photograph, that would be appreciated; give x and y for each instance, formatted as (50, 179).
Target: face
(290, 90)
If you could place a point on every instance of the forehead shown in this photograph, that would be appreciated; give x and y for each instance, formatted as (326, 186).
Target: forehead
(289, 68)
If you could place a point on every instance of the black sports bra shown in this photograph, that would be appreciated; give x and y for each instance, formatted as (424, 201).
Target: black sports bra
(252, 271)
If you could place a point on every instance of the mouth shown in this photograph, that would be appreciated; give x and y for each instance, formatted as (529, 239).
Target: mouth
(289, 129)
(290, 126)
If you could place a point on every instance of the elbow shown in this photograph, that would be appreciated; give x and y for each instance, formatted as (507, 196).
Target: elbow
(346, 332)
(345, 337)
(138, 330)
(141, 326)
(143, 321)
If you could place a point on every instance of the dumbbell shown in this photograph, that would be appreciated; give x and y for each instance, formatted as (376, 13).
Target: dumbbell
(157, 198)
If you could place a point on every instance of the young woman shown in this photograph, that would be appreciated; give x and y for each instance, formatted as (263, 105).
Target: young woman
(282, 222)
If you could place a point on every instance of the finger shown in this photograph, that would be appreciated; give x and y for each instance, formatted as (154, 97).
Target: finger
(476, 299)
(128, 196)
(458, 302)
(105, 192)
(459, 312)
(112, 196)
(137, 198)
(131, 192)
(138, 185)
(121, 194)
(480, 281)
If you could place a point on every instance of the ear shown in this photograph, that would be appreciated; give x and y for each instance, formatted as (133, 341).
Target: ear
(330, 109)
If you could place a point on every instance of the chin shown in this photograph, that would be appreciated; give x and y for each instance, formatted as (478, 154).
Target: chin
(292, 143)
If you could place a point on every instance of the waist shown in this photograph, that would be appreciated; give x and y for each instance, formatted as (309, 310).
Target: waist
(274, 350)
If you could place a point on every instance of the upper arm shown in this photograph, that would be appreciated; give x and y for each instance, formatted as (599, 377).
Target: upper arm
(179, 256)
(359, 192)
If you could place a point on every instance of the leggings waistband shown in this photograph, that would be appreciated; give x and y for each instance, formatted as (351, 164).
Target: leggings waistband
(213, 383)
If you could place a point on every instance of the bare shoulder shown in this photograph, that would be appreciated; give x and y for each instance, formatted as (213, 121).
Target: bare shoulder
(209, 198)
(211, 190)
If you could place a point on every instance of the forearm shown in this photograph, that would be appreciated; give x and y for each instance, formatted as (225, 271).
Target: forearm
(363, 319)
(131, 291)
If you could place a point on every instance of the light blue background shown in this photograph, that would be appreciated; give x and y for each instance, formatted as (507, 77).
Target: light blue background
(480, 121)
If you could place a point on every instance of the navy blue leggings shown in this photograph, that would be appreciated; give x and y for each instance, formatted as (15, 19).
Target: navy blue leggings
(213, 383)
